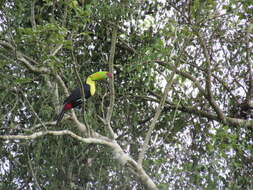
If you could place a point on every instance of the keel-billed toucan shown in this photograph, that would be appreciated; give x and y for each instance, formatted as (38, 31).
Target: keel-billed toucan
(75, 98)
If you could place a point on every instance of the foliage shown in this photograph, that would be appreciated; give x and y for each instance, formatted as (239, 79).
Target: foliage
(203, 137)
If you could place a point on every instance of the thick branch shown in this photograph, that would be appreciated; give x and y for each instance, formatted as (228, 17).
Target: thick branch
(119, 154)
(80, 125)
(55, 133)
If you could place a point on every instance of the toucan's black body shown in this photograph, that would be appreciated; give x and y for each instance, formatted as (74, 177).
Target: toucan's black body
(74, 100)
(76, 96)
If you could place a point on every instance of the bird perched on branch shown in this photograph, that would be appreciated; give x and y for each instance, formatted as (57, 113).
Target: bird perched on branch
(75, 98)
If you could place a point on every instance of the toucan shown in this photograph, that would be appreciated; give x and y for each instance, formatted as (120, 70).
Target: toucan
(75, 98)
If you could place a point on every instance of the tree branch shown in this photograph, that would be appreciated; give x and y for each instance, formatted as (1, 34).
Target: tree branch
(33, 173)
(32, 109)
(24, 59)
(227, 120)
(55, 133)
(55, 50)
(184, 74)
(195, 81)
(82, 93)
(210, 97)
(33, 14)
(193, 110)
(61, 82)
(221, 81)
(249, 96)
(111, 82)
(119, 154)
(154, 121)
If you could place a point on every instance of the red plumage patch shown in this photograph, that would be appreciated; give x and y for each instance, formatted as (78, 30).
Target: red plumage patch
(67, 107)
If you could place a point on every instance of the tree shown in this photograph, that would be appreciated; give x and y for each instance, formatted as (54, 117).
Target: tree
(177, 113)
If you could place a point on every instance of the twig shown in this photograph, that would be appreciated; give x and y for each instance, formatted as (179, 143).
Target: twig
(249, 96)
(102, 106)
(56, 49)
(33, 14)
(222, 82)
(33, 174)
(184, 74)
(212, 102)
(34, 112)
(153, 123)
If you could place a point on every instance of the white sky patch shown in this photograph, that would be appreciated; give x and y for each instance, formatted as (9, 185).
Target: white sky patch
(147, 22)
(4, 166)
(161, 1)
